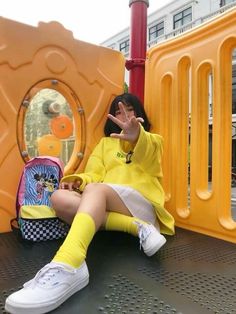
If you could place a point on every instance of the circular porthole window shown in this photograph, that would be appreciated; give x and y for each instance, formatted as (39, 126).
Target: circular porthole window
(51, 124)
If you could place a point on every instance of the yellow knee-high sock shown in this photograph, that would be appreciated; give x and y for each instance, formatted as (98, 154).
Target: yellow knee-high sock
(119, 222)
(74, 248)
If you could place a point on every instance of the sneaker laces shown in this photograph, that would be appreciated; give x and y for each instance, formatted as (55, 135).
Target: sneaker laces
(143, 232)
(46, 274)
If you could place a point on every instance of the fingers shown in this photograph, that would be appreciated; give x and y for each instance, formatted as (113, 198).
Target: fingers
(123, 113)
(135, 121)
(67, 186)
(132, 138)
(116, 135)
(120, 123)
(122, 136)
(139, 119)
(115, 120)
(71, 186)
(122, 110)
(77, 184)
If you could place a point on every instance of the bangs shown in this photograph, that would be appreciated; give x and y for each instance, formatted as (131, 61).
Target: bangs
(127, 105)
(129, 100)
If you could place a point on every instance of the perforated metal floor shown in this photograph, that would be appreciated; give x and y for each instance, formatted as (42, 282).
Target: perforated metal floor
(191, 274)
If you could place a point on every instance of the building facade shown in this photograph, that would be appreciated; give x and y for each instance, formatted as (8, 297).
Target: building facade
(170, 21)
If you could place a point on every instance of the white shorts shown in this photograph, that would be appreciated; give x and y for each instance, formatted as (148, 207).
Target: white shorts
(138, 205)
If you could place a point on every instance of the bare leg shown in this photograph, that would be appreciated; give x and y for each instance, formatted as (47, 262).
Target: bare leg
(66, 204)
(97, 199)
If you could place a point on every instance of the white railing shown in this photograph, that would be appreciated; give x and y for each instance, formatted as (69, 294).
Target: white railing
(219, 11)
(191, 25)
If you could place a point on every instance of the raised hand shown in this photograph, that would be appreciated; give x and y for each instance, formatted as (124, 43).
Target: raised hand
(129, 125)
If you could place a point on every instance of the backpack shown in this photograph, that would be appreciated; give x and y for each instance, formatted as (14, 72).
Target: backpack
(36, 218)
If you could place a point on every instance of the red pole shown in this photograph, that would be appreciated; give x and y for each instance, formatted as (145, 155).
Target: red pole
(138, 47)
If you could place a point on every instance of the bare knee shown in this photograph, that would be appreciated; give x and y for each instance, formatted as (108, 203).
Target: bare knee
(94, 188)
(64, 201)
(94, 202)
(58, 199)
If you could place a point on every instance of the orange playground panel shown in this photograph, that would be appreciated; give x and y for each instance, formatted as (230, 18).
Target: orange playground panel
(48, 58)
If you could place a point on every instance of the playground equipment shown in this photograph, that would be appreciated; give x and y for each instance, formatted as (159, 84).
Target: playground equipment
(177, 79)
(49, 58)
(138, 47)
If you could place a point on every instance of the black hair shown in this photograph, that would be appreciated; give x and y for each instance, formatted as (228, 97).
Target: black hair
(128, 100)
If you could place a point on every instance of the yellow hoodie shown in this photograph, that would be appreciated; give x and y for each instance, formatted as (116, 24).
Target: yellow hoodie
(139, 167)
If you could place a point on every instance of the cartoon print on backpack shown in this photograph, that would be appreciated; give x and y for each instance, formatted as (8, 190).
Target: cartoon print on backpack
(36, 218)
(44, 184)
(40, 182)
(51, 184)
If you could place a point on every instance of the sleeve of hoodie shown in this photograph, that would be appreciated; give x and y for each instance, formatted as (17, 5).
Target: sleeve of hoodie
(147, 152)
(94, 170)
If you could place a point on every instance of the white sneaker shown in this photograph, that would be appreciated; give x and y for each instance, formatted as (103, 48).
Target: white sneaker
(150, 238)
(51, 286)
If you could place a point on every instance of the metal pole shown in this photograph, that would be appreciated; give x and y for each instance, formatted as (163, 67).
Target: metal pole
(138, 47)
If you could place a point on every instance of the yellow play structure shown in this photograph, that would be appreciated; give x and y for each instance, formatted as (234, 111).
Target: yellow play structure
(48, 58)
(177, 78)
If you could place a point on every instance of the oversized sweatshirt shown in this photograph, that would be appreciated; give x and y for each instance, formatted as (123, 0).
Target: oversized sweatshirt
(137, 166)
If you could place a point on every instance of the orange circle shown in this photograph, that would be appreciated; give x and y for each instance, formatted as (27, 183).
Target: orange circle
(49, 145)
(61, 126)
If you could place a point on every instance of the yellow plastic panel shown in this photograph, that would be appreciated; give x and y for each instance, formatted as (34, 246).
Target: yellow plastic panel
(47, 56)
(177, 78)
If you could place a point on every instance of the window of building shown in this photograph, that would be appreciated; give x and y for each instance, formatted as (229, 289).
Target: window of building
(224, 2)
(156, 31)
(124, 46)
(182, 18)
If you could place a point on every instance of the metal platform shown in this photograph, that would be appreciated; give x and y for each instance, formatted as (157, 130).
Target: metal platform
(191, 274)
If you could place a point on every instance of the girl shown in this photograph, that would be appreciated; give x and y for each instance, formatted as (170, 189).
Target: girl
(119, 190)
